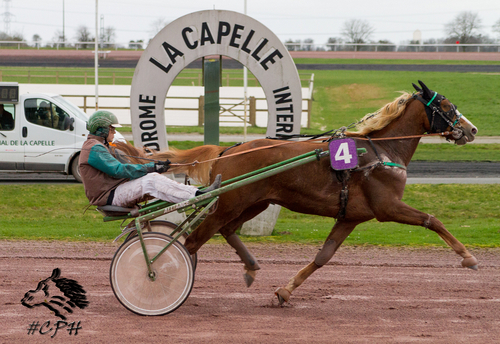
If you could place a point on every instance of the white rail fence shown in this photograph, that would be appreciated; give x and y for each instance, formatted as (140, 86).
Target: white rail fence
(302, 46)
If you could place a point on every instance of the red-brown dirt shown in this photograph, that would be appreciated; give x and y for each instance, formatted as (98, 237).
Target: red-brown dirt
(8, 54)
(365, 295)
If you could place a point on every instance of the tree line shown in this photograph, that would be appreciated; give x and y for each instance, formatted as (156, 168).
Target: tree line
(465, 28)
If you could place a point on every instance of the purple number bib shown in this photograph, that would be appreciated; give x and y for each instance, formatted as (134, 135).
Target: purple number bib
(343, 154)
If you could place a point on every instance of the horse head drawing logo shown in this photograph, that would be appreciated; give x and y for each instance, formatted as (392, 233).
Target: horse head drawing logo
(57, 294)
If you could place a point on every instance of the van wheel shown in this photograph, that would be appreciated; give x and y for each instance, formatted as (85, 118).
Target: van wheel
(75, 169)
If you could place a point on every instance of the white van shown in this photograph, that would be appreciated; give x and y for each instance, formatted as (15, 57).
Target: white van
(40, 132)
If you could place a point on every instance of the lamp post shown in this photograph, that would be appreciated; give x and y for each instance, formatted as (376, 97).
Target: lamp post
(96, 55)
(245, 85)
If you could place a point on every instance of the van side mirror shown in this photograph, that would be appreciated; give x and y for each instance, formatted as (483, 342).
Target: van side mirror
(71, 124)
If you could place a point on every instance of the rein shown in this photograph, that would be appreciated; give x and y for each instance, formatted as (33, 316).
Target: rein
(312, 140)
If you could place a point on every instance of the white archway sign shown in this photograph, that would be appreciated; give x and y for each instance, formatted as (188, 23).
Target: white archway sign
(205, 33)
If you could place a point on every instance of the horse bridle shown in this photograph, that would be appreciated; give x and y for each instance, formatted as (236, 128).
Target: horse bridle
(433, 107)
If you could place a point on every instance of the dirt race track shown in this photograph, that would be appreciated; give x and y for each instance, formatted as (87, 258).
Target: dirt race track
(364, 295)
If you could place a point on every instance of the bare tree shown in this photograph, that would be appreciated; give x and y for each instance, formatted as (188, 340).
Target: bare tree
(357, 31)
(496, 27)
(158, 25)
(464, 27)
(332, 43)
(83, 34)
(36, 40)
(108, 36)
(308, 44)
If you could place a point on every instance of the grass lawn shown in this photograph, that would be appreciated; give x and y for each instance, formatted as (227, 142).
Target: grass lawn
(56, 212)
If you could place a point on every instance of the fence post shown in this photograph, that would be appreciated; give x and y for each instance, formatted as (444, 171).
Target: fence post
(85, 77)
(309, 112)
(114, 78)
(253, 111)
(84, 103)
(201, 110)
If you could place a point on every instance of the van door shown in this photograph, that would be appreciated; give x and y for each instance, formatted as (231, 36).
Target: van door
(47, 136)
(11, 151)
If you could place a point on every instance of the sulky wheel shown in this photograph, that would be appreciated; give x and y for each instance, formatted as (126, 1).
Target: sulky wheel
(173, 275)
(166, 227)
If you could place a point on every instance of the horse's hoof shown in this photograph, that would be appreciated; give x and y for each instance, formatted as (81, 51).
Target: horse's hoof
(283, 295)
(470, 262)
(249, 277)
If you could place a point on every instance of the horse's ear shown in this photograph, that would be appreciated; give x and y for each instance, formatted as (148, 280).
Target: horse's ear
(56, 273)
(425, 88)
(416, 87)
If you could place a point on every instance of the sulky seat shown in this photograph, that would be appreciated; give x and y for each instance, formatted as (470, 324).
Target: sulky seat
(113, 210)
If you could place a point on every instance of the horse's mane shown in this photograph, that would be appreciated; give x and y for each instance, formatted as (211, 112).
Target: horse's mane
(383, 116)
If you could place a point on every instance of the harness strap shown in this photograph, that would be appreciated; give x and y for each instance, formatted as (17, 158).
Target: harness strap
(228, 148)
(343, 177)
(432, 99)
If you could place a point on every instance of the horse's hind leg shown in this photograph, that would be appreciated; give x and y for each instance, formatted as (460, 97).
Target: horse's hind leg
(228, 231)
(403, 213)
(251, 264)
(339, 233)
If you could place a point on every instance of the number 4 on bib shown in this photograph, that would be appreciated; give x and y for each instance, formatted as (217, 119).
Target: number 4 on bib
(343, 154)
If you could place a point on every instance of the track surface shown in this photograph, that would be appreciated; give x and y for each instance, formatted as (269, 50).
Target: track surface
(365, 295)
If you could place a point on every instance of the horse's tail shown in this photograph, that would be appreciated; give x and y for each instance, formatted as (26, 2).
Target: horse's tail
(199, 172)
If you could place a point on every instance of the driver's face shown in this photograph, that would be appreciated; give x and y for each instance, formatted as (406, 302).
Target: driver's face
(111, 134)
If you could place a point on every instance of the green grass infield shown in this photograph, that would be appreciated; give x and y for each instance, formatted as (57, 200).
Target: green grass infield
(57, 212)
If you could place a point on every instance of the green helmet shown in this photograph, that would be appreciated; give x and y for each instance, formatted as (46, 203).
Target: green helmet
(99, 122)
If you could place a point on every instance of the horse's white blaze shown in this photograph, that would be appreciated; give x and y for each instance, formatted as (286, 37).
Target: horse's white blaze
(464, 119)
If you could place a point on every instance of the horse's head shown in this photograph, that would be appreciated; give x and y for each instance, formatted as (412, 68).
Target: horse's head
(444, 116)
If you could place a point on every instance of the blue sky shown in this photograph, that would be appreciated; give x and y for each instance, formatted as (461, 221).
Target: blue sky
(393, 20)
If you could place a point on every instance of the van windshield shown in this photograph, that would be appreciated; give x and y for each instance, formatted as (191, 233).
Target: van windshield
(75, 109)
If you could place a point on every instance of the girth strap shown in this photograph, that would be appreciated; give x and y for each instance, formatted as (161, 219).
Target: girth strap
(381, 162)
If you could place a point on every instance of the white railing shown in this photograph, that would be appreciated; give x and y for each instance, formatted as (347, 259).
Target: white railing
(429, 47)
(436, 47)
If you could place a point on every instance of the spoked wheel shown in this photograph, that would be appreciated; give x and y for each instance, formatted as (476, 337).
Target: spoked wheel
(166, 227)
(173, 275)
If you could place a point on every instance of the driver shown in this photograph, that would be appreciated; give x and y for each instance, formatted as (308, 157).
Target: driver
(107, 181)
(6, 119)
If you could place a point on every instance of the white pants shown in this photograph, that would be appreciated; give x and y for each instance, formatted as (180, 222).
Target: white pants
(155, 185)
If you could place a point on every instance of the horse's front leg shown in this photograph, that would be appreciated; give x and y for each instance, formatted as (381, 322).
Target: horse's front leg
(339, 233)
(403, 213)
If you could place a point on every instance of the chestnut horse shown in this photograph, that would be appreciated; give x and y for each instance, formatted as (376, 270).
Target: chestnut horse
(374, 189)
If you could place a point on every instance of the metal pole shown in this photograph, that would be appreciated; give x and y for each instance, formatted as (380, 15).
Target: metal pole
(96, 56)
(212, 108)
(64, 36)
(245, 95)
